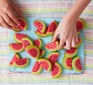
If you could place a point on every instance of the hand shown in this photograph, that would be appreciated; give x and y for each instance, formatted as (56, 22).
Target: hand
(67, 26)
(67, 33)
(8, 14)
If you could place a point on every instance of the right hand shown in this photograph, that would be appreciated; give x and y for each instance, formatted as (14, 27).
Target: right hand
(8, 14)
(67, 32)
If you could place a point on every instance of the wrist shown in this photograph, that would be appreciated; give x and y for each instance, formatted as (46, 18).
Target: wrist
(71, 18)
(77, 9)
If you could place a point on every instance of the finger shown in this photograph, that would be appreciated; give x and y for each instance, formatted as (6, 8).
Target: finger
(3, 23)
(9, 21)
(77, 39)
(13, 17)
(73, 42)
(61, 45)
(55, 36)
(68, 42)
(18, 11)
(0, 25)
(68, 45)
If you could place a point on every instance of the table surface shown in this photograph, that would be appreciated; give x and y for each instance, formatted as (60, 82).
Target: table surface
(10, 78)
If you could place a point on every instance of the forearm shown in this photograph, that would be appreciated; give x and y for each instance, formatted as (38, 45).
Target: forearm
(78, 8)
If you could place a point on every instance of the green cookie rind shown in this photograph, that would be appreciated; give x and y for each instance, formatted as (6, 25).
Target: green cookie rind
(44, 25)
(51, 53)
(22, 66)
(15, 51)
(78, 32)
(17, 55)
(42, 55)
(60, 72)
(41, 35)
(64, 64)
(46, 60)
(71, 55)
(41, 43)
(27, 39)
(78, 45)
(73, 64)
(33, 46)
(38, 72)
(16, 39)
(16, 30)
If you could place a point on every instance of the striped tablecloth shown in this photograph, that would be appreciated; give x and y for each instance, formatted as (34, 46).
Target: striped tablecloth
(47, 8)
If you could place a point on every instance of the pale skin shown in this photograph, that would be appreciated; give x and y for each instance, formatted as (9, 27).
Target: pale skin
(66, 29)
(8, 14)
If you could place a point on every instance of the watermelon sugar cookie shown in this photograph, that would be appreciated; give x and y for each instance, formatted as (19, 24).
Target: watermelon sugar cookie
(71, 53)
(77, 65)
(52, 46)
(23, 25)
(80, 25)
(56, 71)
(18, 61)
(67, 63)
(36, 69)
(16, 47)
